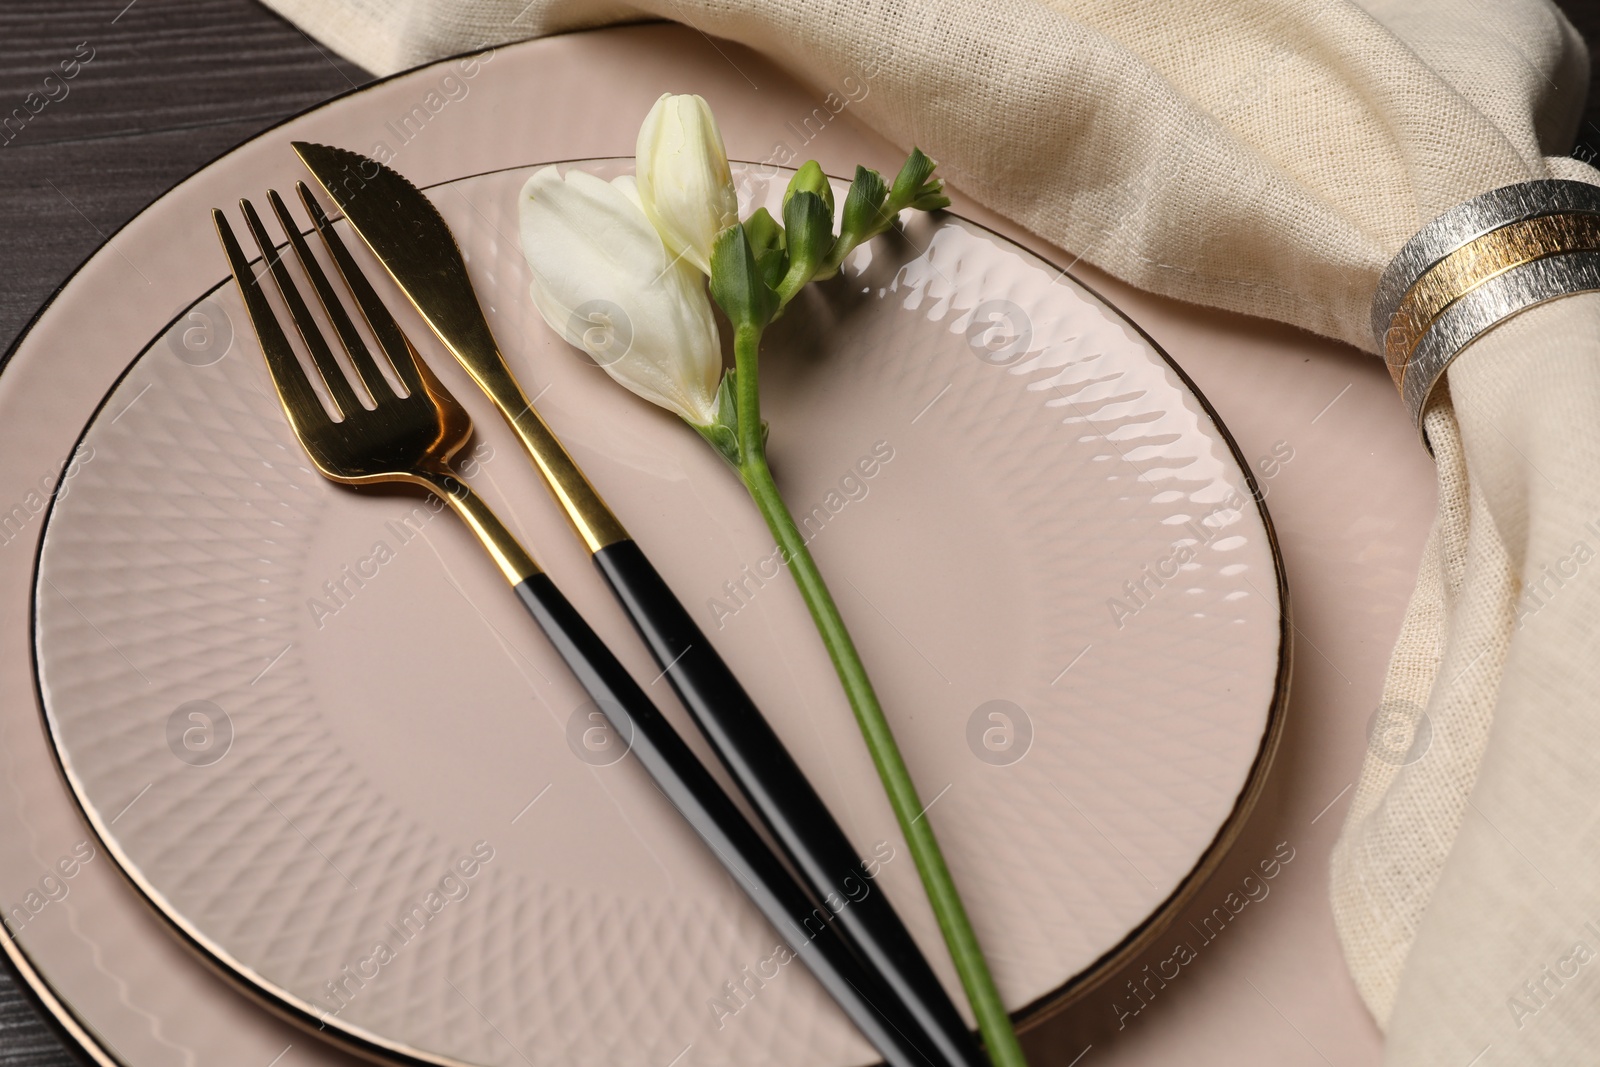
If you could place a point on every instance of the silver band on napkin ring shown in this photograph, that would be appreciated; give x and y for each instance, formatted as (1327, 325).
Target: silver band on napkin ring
(1488, 305)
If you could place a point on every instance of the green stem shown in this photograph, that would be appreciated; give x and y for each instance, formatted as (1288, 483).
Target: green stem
(993, 1022)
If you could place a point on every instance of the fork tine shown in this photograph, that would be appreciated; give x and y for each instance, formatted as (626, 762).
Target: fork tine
(288, 376)
(360, 357)
(344, 398)
(393, 341)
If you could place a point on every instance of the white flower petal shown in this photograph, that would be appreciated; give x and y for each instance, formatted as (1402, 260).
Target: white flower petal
(603, 280)
(684, 182)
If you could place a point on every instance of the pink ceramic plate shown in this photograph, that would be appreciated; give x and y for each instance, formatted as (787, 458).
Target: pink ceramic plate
(315, 733)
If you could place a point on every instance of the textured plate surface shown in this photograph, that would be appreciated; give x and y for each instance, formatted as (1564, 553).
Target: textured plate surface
(315, 729)
(1352, 520)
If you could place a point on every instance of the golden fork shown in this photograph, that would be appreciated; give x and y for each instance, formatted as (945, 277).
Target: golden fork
(412, 438)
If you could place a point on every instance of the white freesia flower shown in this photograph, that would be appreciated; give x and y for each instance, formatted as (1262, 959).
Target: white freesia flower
(604, 280)
(685, 185)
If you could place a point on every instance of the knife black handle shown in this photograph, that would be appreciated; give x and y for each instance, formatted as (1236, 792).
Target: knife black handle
(698, 797)
(785, 801)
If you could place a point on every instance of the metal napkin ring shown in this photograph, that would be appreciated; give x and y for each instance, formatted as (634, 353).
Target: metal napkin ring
(1477, 265)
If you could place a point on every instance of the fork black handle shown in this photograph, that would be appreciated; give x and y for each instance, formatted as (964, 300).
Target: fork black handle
(784, 799)
(697, 796)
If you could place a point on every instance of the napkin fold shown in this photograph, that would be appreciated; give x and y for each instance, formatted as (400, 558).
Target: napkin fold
(1269, 157)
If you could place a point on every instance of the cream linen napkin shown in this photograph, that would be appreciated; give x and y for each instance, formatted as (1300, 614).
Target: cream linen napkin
(1269, 157)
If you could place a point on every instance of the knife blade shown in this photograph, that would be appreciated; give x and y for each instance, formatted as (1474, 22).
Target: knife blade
(414, 244)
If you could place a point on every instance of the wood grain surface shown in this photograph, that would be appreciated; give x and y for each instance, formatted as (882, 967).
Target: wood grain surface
(168, 85)
(141, 95)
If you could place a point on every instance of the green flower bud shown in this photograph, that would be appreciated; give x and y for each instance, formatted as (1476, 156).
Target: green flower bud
(808, 221)
(863, 206)
(908, 184)
(931, 196)
(737, 284)
(810, 179)
(767, 245)
(809, 226)
(763, 232)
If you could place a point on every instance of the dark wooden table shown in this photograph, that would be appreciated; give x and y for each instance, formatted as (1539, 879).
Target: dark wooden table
(171, 85)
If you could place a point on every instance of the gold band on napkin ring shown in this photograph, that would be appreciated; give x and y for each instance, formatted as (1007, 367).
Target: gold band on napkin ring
(1476, 266)
(1473, 264)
